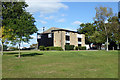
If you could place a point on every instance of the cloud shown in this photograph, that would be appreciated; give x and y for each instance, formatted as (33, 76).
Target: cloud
(48, 18)
(41, 15)
(62, 15)
(61, 20)
(77, 23)
(43, 22)
(44, 7)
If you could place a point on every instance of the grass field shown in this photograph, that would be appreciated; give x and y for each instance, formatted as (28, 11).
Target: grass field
(60, 64)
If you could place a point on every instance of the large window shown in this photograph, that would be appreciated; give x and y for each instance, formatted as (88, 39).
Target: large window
(79, 39)
(79, 44)
(67, 38)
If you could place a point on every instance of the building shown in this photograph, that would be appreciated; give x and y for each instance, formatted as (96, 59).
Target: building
(60, 37)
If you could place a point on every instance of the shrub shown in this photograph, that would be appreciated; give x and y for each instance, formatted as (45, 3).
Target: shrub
(69, 47)
(82, 48)
(41, 47)
(53, 48)
(13, 48)
(79, 47)
(46, 48)
(76, 48)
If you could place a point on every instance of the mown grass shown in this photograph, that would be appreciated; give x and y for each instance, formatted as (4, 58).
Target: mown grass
(61, 64)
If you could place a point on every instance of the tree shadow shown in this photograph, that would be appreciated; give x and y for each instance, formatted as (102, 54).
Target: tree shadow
(12, 53)
(28, 55)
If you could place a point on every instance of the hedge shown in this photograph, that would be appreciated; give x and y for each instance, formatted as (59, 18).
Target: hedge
(76, 48)
(69, 47)
(41, 47)
(54, 48)
(81, 48)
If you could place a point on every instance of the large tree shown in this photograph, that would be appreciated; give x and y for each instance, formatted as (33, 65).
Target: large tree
(88, 29)
(102, 15)
(115, 25)
(98, 38)
(19, 21)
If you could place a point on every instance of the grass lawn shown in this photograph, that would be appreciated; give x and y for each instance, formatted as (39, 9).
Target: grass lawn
(60, 64)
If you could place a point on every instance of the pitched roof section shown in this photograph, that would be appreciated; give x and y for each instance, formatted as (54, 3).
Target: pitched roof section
(52, 29)
(49, 30)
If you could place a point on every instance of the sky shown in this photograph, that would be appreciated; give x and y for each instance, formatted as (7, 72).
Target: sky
(67, 15)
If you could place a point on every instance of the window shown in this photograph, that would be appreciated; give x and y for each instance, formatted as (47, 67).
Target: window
(79, 39)
(49, 35)
(68, 38)
(67, 43)
(79, 44)
(39, 36)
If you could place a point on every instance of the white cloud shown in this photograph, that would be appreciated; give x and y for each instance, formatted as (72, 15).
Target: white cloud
(41, 15)
(77, 23)
(61, 20)
(43, 22)
(50, 17)
(62, 15)
(45, 7)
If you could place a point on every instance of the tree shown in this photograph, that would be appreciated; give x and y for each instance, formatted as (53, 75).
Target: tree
(102, 15)
(115, 24)
(4, 38)
(33, 46)
(19, 21)
(98, 38)
(88, 29)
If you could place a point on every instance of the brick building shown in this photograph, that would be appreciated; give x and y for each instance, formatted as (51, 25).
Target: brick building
(58, 37)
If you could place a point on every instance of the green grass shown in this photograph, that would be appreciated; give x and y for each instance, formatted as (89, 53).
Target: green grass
(61, 64)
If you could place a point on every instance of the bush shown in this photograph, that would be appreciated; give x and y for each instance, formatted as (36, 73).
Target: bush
(58, 48)
(76, 48)
(69, 47)
(41, 47)
(53, 48)
(47, 48)
(13, 48)
(82, 48)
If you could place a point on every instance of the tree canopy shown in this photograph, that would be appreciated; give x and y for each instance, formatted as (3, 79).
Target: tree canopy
(18, 23)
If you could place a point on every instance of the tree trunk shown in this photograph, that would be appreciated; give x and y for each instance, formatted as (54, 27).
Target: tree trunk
(19, 51)
(2, 48)
(107, 43)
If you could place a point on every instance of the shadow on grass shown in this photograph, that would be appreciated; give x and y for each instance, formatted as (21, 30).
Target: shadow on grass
(31, 54)
(12, 53)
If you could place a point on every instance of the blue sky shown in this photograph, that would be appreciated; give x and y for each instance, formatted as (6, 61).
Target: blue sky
(68, 15)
